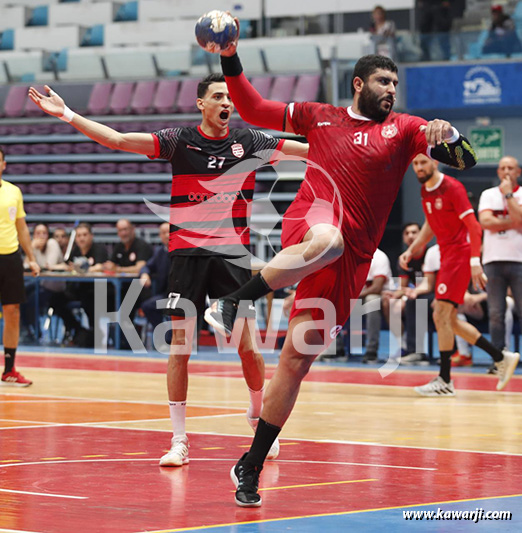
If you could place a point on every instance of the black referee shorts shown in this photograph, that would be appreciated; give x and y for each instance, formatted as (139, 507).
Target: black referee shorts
(193, 278)
(12, 289)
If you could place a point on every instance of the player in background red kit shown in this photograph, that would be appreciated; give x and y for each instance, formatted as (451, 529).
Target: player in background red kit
(328, 244)
(450, 218)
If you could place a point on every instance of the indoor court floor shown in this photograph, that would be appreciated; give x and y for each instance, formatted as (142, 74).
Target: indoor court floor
(79, 450)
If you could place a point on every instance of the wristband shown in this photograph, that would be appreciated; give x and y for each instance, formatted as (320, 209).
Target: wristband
(474, 262)
(454, 137)
(68, 114)
(231, 66)
(508, 195)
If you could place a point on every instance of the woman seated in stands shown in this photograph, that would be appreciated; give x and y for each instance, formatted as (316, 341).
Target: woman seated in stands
(49, 256)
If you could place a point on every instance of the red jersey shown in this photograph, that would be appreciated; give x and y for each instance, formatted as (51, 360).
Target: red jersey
(444, 207)
(364, 160)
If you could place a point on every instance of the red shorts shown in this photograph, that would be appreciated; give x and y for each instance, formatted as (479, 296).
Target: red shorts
(339, 283)
(455, 273)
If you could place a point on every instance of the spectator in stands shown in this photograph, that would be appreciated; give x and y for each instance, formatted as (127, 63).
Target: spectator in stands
(500, 214)
(61, 236)
(131, 254)
(393, 302)
(435, 20)
(378, 277)
(86, 257)
(416, 329)
(13, 234)
(49, 257)
(502, 37)
(383, 33)
(157, 270)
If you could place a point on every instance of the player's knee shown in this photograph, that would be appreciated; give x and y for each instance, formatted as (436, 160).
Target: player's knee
(298, 365)
(330, 245)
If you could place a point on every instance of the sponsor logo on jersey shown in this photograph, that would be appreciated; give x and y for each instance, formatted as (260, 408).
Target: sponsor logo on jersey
(324, 124)
(389, 130)
(219, 198)
(132, 257)
(238, 150)
(190, 147)
(335, 331)
(12, 212)
(441, 288)
(438, 203)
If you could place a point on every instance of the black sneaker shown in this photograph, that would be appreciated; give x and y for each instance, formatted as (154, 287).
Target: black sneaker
(369, 358)
(223, 317)
(245, 477)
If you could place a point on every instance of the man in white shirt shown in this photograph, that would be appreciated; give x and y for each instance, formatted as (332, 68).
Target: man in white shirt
(378, 278)
(500, 214)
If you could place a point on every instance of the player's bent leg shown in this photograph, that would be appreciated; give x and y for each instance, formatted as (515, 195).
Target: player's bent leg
(322, 244)
(177, 384)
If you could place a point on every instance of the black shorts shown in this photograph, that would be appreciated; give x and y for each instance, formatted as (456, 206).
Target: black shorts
(196, 277)
(12, 289)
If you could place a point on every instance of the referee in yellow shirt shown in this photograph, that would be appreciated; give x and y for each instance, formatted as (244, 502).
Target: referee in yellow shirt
(13, 233)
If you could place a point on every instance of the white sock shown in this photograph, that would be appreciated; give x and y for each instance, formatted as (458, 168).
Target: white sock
(256, 403)
(177, 418)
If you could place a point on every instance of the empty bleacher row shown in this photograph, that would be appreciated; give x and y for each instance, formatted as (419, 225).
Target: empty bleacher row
(150, 97)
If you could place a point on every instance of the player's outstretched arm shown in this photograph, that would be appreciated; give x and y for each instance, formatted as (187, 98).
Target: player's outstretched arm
(252, 107)
(53, 104)
(448, 146)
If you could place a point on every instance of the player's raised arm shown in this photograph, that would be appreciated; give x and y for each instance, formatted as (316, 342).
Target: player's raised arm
(448, 146)
(53, 104)
(252, 107)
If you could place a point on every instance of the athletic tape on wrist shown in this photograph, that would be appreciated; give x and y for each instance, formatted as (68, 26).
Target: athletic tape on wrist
(474, 261)
(68, 114)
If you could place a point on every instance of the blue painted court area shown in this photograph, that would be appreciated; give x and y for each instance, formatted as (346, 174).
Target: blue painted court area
(389, 520)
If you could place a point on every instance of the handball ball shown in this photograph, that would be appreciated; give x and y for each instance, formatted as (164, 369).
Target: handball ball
(215, 31)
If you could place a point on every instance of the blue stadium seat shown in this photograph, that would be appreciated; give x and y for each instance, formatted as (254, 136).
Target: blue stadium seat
(7, 39)
(93, 36)
(39, 16)
(127, 12)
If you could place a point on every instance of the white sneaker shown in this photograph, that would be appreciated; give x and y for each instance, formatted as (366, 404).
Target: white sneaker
(506, 367)
(273, 453)
(178, 453)
(436, 387)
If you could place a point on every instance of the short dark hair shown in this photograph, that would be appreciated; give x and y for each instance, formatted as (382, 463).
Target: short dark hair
(407, 224)
(367, 65)
(85, 225)
(204, 84)
(2, 151)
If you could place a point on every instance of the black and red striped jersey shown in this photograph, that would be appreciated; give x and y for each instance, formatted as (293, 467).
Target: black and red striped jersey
(212, 187)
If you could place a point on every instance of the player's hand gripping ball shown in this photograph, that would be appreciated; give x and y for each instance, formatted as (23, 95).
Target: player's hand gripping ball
(215, 31)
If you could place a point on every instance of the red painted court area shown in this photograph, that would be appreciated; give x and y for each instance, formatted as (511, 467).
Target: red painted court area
(70, 478)
(463, 381)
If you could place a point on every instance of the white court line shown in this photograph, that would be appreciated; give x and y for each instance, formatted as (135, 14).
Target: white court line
(44, 494)
(213, 459)
(158, 419)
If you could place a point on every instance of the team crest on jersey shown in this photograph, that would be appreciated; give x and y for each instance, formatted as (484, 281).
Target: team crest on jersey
(389, 131)
(441, 288)
(438, 203)
(238, 150)
(12, 212)
(335, 331)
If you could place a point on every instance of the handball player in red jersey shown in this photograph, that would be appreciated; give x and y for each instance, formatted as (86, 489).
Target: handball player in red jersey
(209, 217)
(356, 163)
(450, 218)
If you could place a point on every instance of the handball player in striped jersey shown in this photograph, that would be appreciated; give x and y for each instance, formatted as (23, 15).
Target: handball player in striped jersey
(212, 190)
